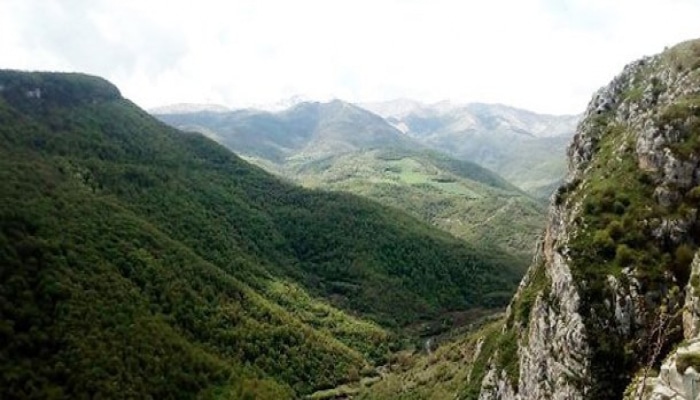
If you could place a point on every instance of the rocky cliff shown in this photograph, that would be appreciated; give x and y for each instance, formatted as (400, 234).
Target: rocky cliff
(613, 291)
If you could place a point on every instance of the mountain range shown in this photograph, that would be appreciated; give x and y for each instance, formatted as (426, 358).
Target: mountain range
(342, 147)
(526, 148)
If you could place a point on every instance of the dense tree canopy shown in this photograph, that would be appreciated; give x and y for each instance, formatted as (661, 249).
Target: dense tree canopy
(137, 260)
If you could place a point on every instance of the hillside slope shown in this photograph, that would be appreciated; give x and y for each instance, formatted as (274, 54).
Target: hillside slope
(138, 260)
(341, 147)
(526, 148)
(459, 197)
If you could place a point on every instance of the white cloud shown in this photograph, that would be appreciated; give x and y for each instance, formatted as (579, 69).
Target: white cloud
(546, 55)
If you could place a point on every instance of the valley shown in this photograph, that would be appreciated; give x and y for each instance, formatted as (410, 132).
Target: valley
(135, 249)
(224, 244)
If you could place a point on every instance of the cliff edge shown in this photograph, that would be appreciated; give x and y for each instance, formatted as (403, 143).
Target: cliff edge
(611, 298)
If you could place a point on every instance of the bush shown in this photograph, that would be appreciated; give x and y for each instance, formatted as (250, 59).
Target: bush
(616, 230)
(683, 256)
(624, 256)
(604, 243)
(618, 207)
(687, 360)
(694, 195)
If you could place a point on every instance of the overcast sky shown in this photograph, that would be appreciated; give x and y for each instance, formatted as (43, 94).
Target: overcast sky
(543, 55)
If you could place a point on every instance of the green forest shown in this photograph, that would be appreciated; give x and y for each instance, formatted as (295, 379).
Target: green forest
(140, 261)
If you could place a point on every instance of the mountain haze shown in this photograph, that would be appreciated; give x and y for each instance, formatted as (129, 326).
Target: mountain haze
(188, 108)
(305, 131)
(526, 148)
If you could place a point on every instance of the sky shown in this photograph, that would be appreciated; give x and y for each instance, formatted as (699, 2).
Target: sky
(547, 56)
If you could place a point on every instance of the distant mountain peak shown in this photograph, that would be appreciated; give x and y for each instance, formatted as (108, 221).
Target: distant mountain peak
(283, 104)
(188, 108)
(394, 108)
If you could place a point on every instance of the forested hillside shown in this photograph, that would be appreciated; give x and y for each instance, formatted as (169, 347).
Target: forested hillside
(341, 147)
(138, 260)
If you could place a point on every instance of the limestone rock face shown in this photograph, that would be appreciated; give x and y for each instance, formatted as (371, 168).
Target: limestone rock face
(691, 311)
(617, 268)
(678, 376)
(496, 385)
(555, 355)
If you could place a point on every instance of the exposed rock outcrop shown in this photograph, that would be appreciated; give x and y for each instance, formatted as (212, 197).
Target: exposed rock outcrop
(678, 376)
(553, 351)
(691, 311)
(617, 250)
